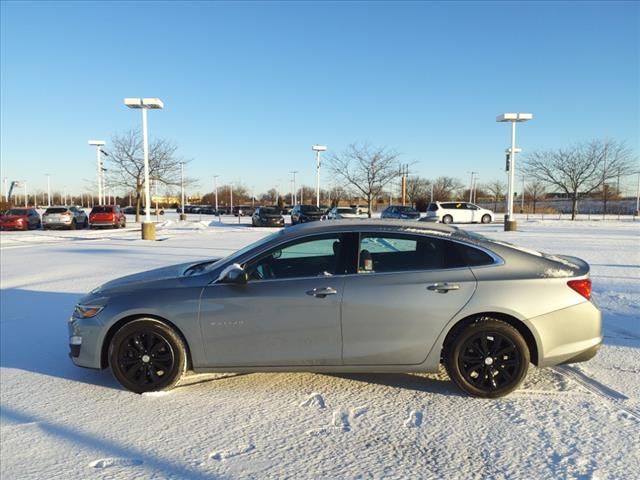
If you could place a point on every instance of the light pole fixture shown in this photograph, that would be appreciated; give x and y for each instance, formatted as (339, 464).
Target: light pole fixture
(148, 228)
(513, 118)
(318, 149)
(48, 190)
(98, 144)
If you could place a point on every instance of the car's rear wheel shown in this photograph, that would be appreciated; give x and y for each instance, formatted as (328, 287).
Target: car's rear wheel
(447, 219)
(146, 356)
(73, 225)
(487, 359)
(486, 218)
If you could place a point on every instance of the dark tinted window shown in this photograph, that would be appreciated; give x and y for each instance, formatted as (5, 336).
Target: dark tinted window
(270, 211)
(56, 210)
(407, 209)
(397, 253)
(432, 207)
(309, 208)
(17, 211)
(448, 205)
(102, 210)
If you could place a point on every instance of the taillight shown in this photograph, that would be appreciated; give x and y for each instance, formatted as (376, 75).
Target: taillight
(583, 287)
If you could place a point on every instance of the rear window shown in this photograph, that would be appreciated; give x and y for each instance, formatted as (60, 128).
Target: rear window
(102, 210)
(270, 211)
(309, 208)
(432, 207)
(406, 209)
(56, 210)
(17, 211)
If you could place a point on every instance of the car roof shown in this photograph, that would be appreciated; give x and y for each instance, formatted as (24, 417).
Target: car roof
(357, 225)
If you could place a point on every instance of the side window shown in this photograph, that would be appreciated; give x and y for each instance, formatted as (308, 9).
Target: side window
(471, 256)
(397, 253)
(308, 258)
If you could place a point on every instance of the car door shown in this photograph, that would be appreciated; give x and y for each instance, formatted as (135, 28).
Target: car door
(406, 290)
(288, 313)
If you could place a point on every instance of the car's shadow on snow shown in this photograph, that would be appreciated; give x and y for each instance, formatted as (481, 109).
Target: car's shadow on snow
(423, 383)
(34, 336)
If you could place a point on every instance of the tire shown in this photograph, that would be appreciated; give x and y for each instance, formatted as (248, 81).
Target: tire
(146, 355)
(73, 225)
(447, 219)
(472, 361)
(486, 218)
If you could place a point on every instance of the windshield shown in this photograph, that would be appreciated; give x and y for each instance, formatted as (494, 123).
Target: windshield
(56, 210)
(346, 210)
(102, 210)
(17, 211)
(406, 209)
(309, 208)
(270, 210)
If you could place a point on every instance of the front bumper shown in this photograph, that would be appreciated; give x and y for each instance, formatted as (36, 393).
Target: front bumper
(85, 342)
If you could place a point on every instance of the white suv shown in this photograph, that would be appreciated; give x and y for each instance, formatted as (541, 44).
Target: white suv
(457, 212)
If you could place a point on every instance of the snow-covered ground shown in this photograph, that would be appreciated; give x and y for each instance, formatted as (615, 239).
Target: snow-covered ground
(58, 421)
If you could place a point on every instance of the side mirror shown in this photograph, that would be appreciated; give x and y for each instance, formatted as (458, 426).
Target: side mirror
(233, 274)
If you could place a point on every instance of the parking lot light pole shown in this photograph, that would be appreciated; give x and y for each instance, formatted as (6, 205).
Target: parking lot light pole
(183, 215)
(48, 190)
(509, 223)
(318, 149)
(98, 144)
(215, 190)
(294, 196)
(148, 228)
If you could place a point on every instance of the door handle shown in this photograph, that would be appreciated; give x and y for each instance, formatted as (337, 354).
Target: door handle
(443, 287)
(322, 292)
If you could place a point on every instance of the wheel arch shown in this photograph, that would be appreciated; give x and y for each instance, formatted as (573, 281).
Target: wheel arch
(519, 325)
(104, 352)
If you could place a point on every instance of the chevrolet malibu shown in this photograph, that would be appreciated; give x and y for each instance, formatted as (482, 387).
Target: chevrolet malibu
(349, 296)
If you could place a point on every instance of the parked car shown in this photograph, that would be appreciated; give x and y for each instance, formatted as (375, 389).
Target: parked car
(338, 213)
(208, 211)
(354, 295)
(360, 209)
(267, 217)
(20, 219)
(457, 212)
(242, 210)
(107, 216)
(400, 212)
(306, 213)
(64, 217)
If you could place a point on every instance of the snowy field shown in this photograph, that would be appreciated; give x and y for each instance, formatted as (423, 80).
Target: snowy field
(58, 421)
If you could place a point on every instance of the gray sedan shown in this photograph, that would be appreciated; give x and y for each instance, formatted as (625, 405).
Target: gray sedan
(349, 296)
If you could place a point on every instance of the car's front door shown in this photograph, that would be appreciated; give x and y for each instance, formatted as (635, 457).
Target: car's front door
(287, 314)
(406, 291)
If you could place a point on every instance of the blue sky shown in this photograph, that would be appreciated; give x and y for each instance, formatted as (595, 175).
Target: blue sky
(249, 87)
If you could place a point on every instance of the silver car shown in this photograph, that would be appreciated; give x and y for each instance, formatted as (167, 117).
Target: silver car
(348, 296)
(64, 217)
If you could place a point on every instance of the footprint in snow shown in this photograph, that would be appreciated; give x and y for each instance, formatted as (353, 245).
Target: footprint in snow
(314, 400)
(226, 454)
(116, 462)
(414, 420)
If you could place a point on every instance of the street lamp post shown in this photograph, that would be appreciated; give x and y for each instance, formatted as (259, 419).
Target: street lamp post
(294, 197)
(148, 228)
(509, 223)
(318, 149)
(98, 144)
(48, 190)
(183, 215)
(215, 189)
(471, 186)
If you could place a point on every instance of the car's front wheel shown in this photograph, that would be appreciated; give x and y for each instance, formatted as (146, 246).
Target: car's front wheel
(447, 219)
(486, 218)
(488, 358)
(146, 356)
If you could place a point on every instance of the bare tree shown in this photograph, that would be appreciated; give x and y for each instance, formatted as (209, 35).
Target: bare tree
(535, 191)
(417, 189)
(497, 190)
(366, 170)
(126, 164)
(580, 169)
(337, 194)
(444, 188)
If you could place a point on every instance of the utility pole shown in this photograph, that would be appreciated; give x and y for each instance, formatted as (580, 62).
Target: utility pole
(294, 197)
(404, 171)
(471, 186)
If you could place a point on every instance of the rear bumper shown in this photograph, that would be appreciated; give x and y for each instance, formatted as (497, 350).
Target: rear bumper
(14, 226)
(570, 335)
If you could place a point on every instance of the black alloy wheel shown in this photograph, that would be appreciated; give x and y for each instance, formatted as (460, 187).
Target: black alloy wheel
(147, 356)
(488, 359)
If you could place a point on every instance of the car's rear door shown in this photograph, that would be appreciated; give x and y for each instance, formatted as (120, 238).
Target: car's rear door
(406, 290)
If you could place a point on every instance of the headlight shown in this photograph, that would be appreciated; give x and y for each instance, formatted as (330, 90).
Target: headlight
(87, 311)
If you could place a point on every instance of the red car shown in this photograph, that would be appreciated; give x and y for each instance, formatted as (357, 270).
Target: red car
(107, 216)
(20, 219)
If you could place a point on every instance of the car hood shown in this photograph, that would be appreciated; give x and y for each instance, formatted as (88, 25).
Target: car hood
(145, 279)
